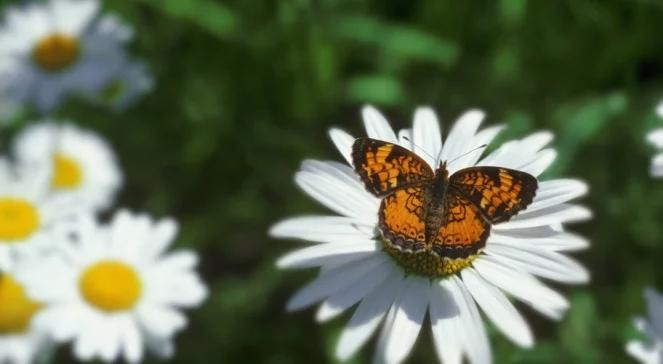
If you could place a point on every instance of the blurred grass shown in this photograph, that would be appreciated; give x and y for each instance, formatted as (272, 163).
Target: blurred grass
(246, 90)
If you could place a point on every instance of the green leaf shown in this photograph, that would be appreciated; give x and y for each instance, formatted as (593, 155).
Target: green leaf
(212, 16)
(377, 89)
(397, 41)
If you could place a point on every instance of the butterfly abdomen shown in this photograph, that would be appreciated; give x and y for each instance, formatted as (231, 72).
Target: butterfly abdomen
(434, 208)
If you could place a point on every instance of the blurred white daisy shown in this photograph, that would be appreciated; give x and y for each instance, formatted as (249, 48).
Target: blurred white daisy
(354, 268)
(31, 219)
(84, 167)
(655, 138)
(118, 289)
(649, 351)
(51, 50)
(129, 81)
(20, 341)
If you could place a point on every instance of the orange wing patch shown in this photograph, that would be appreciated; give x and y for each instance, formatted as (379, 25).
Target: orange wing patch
(499, 193)
(464, 230)
(384, 167)
(401, 219)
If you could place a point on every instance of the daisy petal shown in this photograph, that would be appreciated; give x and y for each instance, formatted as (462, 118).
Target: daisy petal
(343, 142)
(556, 214)
(498, 308)
(426, 137)
(409, 310)
(472, 331)
(445, 318)
(521, 285)
(543, 237)
(377, 127)
(331, 185)
(322, 229)
(655, 138)
(361, 286)
(460, 135)
(368, 315)
(557, 191)
(548, 264)
(322, 254)
(332, 281)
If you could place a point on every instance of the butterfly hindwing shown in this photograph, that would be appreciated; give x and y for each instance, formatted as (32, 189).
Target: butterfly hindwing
(464, 230)
(500, 193)
(402, 218)
(385, 167)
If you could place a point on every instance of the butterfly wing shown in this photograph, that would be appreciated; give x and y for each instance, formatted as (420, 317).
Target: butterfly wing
(385, 167)
(402, 218)
(463, 231)
(500, 193)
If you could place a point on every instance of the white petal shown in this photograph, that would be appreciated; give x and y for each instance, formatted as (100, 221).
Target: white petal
(555, 192)
(655, 137)
(335, 186)
(332, 281)
(322, 254)
(522, 285)
(556, 214)
(543, 237)
(510, 154)
(472, 331)
(498, 308)
(426, 135)
(656, 168)
(323, 229)
(377, 126)
(461, 135)
(343, 142)
(360, 288)
(484, 137)
(537, 164)
(405, 138)
(543, 263)
(409, 310)
(645, 354)
(368, 315)
(445, 319)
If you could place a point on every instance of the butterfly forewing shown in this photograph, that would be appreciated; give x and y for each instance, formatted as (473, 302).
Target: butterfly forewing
(385, 167)
(500, 193)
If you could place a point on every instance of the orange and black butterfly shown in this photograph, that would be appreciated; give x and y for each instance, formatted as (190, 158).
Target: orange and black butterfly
(426, 211)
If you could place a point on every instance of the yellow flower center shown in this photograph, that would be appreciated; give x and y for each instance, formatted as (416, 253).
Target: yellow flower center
(16, 309)
(56, 52)
(67, 173)
(18, 219)
(427, 263)
(110, 286)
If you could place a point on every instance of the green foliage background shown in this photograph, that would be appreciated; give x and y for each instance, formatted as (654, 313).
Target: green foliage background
(247, 89)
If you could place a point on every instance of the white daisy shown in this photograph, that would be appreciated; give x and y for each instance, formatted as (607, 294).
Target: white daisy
(20, 341)
(129, 81)
(31, 219)
(84, 167)
(117, 288)
(51, 50)
(649, 351)
(356, 269)
(655, 137)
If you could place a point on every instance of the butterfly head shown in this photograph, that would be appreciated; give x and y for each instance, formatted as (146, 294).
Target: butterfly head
(442, 170)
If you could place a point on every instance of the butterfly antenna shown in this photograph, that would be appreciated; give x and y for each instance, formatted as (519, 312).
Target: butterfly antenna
(419, 147)
(464, 154)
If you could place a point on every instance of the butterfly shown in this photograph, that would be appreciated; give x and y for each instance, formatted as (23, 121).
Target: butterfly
(430, 212)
